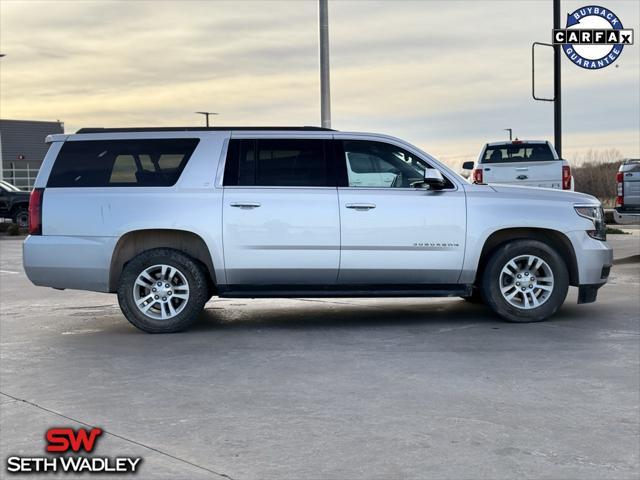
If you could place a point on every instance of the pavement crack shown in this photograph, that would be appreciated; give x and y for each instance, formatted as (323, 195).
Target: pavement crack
(121, 437)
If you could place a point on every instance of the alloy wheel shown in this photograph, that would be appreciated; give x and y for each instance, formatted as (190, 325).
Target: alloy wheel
(161, 292)
(526, 282)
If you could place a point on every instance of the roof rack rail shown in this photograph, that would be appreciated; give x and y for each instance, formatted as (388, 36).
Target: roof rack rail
(195, 129)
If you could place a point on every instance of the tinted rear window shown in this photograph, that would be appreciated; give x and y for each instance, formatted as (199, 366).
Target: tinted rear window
(278, 163)
(121, 163)
(523, 152)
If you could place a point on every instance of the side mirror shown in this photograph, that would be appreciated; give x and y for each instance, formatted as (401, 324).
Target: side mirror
(434, 179)
(467, 166)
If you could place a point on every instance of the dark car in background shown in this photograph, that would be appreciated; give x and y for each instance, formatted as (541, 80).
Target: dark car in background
(14, 204)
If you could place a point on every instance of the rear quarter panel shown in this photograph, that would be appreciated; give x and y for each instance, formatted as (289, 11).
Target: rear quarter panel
(102, 215)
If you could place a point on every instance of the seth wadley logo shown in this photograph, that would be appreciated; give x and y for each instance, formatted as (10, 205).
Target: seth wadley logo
(594, 37)
(65, 440)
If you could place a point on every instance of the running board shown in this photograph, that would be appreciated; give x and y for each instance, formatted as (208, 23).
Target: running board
(344, 291)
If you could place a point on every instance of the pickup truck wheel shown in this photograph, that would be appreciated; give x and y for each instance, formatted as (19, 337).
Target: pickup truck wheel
(525, 281)
(21, 217)
(162, 291)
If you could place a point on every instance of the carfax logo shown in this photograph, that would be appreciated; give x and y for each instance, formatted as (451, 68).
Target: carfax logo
(67, 440)
(594, 37)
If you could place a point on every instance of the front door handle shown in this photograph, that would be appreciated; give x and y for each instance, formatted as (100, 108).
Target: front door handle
(361, 206)
(245, 205)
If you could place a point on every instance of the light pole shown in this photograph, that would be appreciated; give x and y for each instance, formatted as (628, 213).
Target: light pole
(557, 84)
(206, 114)
(1, 162)
(510, 130)
(325, 94)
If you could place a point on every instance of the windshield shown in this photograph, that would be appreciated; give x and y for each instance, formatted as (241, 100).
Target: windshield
(521, 152)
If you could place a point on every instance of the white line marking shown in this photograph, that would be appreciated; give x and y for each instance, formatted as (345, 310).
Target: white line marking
(9, 271)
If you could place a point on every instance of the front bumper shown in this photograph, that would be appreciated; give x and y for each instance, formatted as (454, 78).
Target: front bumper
(593, 258)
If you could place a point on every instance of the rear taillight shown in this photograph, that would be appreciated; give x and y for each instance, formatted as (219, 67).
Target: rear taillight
(35, 211)
(620, 189)
(477, 175)
(566, 177)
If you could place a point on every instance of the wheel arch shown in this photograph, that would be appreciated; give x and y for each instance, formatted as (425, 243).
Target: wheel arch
(137, 241)
(554, 238)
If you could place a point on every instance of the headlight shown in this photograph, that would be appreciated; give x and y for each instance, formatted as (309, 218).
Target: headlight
(596, 215)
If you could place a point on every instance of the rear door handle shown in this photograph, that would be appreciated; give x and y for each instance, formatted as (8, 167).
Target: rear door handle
(361, 206)
(245, 205)
(522, 169)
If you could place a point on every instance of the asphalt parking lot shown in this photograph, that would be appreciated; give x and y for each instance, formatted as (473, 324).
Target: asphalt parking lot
(363, 388)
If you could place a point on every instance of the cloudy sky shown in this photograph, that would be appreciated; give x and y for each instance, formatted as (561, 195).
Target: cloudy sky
(445, 75)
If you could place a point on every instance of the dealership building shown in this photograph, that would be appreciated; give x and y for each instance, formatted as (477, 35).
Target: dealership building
(22, 149)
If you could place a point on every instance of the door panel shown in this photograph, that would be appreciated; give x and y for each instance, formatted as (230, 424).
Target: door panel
(282, 236)
(401, 236)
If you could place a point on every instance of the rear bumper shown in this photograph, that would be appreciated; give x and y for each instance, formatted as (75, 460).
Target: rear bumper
(80, 263)
(626, 216)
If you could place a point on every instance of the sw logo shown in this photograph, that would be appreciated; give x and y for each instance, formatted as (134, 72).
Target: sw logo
(594, 37)
(63, 440)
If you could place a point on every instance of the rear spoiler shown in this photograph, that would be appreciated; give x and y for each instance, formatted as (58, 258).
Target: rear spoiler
(56, 137)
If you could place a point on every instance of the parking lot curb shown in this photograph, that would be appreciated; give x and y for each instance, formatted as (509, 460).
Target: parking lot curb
(626, 260)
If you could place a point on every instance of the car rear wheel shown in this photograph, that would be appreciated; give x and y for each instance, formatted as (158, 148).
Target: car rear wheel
(162, 291)
(525, 281)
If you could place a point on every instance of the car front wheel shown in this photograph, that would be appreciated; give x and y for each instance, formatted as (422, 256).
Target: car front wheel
(525, 281)
(162, 291)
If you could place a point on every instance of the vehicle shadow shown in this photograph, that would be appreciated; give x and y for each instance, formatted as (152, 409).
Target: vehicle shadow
(338, 313)
(310, 314)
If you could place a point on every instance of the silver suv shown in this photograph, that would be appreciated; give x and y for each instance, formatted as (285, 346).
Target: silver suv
(168, 218)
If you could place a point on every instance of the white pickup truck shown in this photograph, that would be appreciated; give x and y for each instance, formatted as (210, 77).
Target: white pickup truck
(528, 163)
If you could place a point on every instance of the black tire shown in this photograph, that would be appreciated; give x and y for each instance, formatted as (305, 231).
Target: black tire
(490, 284)
(20, 216)
(192, 272)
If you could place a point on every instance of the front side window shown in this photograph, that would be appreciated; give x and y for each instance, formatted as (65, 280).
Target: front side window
(121, 163)
(277, 163)
(378, 164)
